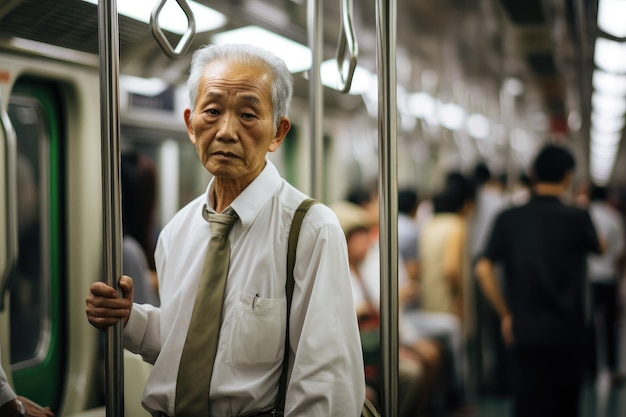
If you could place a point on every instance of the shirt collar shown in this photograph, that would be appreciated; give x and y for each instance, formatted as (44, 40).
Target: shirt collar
(248, 204)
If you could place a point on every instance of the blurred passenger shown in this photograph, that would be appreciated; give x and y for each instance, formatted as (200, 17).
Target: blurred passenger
(444, 252)
(603, 273)
(408, 232)
(138, 211)
(543, 246)
(27, 279)
(490, 352)
(367, 199)
(445, 282)
(12, 405)
(522, 190)
(490, 200)
(415, 371)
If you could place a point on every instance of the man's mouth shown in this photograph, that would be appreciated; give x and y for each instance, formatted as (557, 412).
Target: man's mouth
(224, 154)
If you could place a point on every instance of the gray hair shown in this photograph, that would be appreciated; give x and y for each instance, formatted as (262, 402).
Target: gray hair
(282, 82)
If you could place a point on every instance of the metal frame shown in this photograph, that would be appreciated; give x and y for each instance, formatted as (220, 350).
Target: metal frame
(11, 201)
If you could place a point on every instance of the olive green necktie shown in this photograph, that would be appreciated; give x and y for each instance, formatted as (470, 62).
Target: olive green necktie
(196, 362)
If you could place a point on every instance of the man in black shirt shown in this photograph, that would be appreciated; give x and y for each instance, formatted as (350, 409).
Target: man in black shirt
(542, 247)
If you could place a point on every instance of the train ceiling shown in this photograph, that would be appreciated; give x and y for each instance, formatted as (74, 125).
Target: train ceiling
(480, 41)
(469, 48)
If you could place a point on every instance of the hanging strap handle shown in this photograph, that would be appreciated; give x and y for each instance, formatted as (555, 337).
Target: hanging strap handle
(159, 36)
(346, 45)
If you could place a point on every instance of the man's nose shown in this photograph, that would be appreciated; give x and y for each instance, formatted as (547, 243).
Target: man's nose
(228, 127)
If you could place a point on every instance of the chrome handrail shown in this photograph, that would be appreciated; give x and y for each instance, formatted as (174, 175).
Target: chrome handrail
(347, 41)
(316, 109)
(159, 36)
(11, 200)
(388, 193)
(108, 43)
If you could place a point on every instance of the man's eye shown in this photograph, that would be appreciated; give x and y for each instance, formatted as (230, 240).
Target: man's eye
(247, 115)
(212, 112)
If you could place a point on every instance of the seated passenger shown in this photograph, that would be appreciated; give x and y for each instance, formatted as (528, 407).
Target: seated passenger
(419, 361)
(445, 289)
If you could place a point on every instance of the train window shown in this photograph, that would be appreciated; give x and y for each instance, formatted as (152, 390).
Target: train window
(36, 300)
(29, 317)
(181, 177)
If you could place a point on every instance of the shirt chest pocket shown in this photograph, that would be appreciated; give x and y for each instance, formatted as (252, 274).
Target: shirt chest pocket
(258, 334)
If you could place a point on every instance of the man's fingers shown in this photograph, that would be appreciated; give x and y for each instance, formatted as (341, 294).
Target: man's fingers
(105, 307)
(126, 284)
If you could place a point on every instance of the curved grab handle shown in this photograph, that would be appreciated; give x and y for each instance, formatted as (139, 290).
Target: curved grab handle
(347, 40)
(11, 201)
(159, 36)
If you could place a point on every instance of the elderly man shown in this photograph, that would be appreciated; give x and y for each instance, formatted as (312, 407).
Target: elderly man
(240, 98)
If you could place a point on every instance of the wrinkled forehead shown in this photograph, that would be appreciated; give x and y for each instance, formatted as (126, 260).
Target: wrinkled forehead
(239, 74)
(242, 67)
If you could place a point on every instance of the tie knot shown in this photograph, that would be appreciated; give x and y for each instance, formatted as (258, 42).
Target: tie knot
(221, 223)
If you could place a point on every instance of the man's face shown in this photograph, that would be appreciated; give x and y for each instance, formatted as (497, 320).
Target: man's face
(232, 125)
(359, 244)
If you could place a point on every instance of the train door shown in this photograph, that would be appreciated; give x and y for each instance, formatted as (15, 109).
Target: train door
(37, 303)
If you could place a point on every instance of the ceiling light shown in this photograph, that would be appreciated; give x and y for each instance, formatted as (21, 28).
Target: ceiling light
(296, 56)
(603, 152)
(608, 104)
(605, 82)
(144, 86)
(422, 105)
(599, 161)
(607, 123)
(513, 86)
(610, 55)
(602, 168)
(452, 116)
(600, 178)
(172, 18)
(478, 126)
(53, 51)
(599, 164)
(362, 80)
(605, 138)
(611, 17)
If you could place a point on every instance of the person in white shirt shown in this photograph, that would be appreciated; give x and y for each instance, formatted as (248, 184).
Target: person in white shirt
(603, 273)
(240, 98)
(13, 406)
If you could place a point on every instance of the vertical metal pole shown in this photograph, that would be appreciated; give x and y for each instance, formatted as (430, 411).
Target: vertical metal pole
(388, 194)
(108, 33)
(315, 32)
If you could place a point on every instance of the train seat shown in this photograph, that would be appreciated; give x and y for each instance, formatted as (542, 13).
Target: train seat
(136, 373)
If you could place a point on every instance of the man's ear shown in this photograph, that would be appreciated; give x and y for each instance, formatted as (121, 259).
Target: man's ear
(187, 115)
(284, 125)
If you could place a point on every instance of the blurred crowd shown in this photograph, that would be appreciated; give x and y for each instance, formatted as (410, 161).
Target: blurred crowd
(451, 346)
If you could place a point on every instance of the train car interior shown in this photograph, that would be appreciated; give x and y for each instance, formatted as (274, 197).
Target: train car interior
(478, 81)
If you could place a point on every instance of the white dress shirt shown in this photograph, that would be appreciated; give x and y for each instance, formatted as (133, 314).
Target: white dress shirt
(407, 237)
(609, 226)
(326, 372)
(6, 392)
